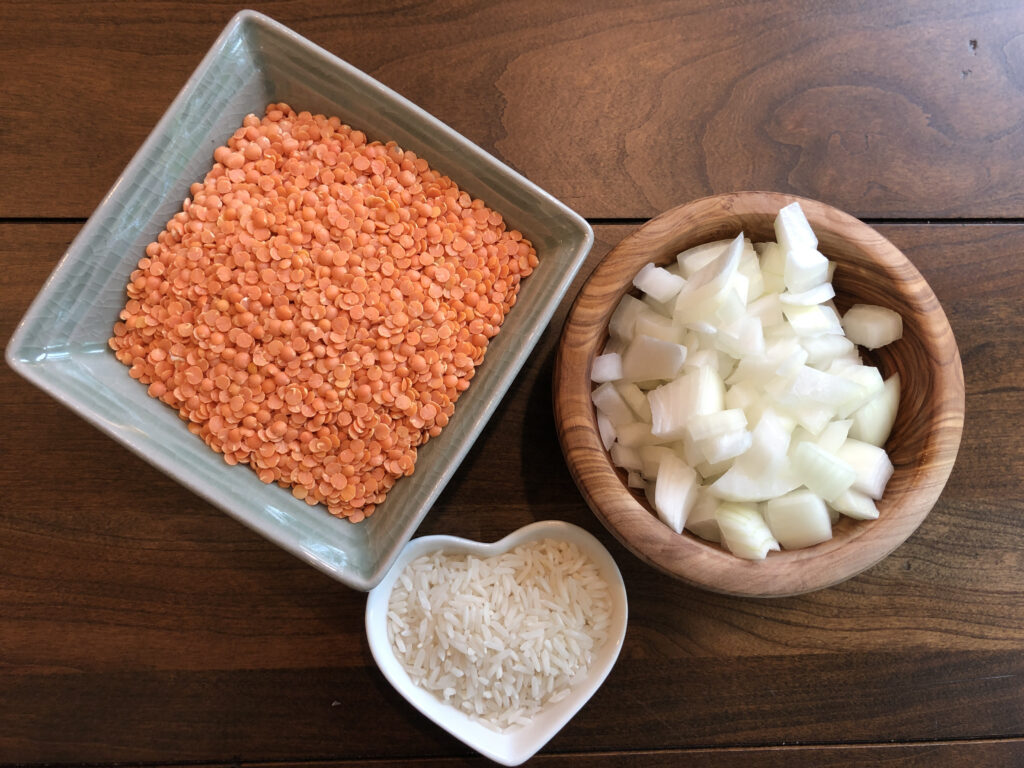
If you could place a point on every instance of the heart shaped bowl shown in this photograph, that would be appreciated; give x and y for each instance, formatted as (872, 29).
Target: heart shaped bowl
(922, 446)
(515, 745)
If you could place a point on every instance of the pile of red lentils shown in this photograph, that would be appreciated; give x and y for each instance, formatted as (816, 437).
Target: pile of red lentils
(318, 305)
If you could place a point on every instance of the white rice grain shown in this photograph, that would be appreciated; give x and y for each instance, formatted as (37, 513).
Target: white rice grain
(501, 637)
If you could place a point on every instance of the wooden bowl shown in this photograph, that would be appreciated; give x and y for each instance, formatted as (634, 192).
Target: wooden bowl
(923, 444)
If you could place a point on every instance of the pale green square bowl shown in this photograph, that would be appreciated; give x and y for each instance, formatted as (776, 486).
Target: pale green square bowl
(61, 343)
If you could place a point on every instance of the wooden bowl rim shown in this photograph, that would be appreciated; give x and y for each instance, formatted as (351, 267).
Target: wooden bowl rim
(687, 557)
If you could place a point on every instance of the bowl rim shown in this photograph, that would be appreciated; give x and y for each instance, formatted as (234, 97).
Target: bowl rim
(514, 746)
(686, 557)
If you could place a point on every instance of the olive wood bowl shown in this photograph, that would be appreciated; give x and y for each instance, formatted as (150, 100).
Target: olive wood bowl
(922, 446)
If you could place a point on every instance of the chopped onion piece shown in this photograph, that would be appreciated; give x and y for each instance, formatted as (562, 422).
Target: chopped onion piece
(750, 268)
(710, 472)
(623, 319)
(798, 519)
(675, 492)
(707, 285)
(690, 451)
(626, 457)
(834, 434)
(635, 399)
(792, 230)
(652, 456)
(813, 320)
(822, 472)
(608, 401)
(636, 434)
(650, 323)
(744, 531)
(768, 309)
(742, 337)
(805, 269)
(658, 283)
(701, 520)
(716, 274)
(720, 448)
(702, 358)
(811, 416)
(799, 435)
(773, 267)
(694, 259)
(705, 425)
(730, 307)
(854, 504)
(647, 358)
(872, 326)
(696, 391)
(871, 464)
(819, 294)
(867, 378)
(808, 383)
(826, 347)
(781, 358)
(742, 396)
(606, 368)
(764, 470)
(873, 421)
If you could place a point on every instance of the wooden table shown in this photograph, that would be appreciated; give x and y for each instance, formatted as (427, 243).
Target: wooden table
(139, 624)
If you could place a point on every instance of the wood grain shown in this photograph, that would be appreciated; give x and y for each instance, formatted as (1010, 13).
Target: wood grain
(923, 444)
(140, 625)
(979, 754)
(137, 623)
(618, 110)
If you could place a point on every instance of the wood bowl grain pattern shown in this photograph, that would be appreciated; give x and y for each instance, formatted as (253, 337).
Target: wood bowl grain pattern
(923, 444)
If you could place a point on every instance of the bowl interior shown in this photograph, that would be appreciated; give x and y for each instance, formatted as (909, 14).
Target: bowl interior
(61, 344)
(922, 446)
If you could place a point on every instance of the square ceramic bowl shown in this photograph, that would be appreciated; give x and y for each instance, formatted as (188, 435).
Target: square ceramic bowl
(61, 343)
(514, 745)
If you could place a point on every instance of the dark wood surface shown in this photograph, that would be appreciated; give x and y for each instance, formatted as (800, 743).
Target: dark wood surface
(139, 624)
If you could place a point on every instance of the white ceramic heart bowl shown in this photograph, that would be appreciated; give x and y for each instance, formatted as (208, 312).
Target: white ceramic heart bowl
(516, 745)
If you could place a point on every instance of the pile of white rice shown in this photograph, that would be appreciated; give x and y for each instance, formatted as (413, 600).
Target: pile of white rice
(500, 637)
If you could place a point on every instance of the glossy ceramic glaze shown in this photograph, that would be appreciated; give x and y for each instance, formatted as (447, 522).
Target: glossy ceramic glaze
(61, 343)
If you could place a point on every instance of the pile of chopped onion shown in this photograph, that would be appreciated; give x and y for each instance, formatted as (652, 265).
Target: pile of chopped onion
(733, 393)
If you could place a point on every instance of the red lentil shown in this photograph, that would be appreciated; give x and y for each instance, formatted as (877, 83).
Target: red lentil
(318, 306)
